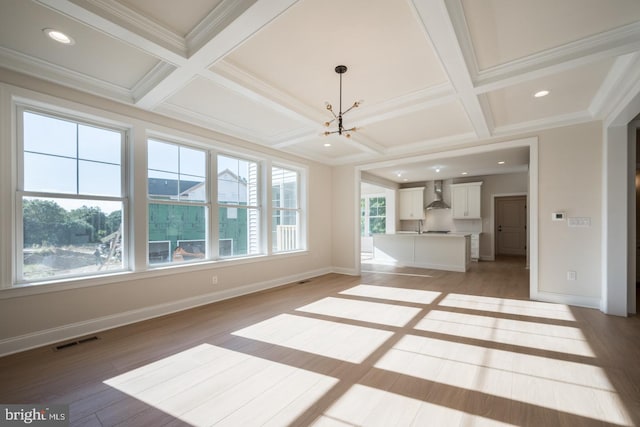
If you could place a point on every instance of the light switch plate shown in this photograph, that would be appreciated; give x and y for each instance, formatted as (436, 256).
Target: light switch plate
(579, 222)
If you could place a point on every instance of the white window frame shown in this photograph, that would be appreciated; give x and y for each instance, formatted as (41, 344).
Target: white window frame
(367, 203)
(18, 248)
(206, 203)
(298, 209)
(258, 206)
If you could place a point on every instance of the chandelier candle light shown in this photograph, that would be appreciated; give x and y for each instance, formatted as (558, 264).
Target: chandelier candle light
(340, 69)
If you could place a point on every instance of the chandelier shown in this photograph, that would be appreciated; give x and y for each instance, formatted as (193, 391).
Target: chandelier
(340, 69)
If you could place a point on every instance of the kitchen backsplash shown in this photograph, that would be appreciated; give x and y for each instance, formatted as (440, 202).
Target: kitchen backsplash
(440, 219)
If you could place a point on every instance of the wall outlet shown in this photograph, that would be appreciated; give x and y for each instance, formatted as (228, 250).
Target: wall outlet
(571, 275)
(214, 280)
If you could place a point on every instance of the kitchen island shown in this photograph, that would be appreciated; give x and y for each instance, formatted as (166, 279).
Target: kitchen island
(450, 252)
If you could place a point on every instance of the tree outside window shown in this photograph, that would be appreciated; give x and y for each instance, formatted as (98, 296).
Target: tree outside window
(71, 197)
(373, 215)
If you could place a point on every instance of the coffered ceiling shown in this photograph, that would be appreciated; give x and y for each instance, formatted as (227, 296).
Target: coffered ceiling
(432, 74)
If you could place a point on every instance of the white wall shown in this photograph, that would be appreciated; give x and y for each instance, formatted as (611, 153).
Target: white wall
(38, 316)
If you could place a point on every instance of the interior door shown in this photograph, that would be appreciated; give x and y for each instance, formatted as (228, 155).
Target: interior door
(511, 225)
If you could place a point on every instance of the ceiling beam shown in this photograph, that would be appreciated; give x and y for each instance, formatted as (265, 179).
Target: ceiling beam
(244, 18)
(438, 25)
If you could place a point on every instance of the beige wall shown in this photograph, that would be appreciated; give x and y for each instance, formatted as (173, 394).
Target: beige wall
(570, 180)
(345, 229)
(75, 310)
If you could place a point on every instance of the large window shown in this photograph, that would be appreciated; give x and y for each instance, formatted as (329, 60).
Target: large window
(70, 197)
(75, 217)
(238, 207)
(285, 230)
(178, 209)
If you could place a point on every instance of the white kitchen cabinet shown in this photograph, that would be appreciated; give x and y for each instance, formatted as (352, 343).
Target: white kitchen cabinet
(412, 203)
(465, 200)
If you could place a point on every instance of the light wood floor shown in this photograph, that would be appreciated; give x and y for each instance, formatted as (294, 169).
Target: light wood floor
(392, 347)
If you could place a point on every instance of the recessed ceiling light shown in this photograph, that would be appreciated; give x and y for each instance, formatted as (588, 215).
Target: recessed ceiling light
(406, 179)
(501, 162)
(399, 175)
(437, 170)
(465, 173)
(327, 144)
(541, 93)
(58, 36)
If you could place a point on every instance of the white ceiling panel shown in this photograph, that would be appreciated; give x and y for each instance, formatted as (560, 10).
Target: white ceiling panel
(437, 122)
(94, 54)
(385, 49)
(571, 92)
(315, 149)
(505, 30)
(230, 109)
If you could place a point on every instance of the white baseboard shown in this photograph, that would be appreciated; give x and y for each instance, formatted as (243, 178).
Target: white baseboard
(346, 271)
(577, 300)
(67, 332)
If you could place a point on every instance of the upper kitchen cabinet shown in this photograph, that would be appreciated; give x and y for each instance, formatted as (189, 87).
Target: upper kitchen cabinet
(465, 200)
(412, 203)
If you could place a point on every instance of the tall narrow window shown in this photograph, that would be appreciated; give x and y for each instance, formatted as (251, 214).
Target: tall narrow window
(238, 207)
(178, 203)
(373, 215)
(285, 221)
(70, 194)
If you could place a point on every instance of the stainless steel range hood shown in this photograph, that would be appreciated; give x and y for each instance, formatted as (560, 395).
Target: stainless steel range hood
(438, 203)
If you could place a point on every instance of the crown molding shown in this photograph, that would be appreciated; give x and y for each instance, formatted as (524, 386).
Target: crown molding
(608, 44)
(618, 82)
(544, 124)
(151, 79)
(446, 141)
(41, 69)
(208, 122)
(217, 20)
(238, 80)
(135, 21)
(241, 81)
(95, 20)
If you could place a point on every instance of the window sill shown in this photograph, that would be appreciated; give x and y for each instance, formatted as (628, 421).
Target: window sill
(35, 288)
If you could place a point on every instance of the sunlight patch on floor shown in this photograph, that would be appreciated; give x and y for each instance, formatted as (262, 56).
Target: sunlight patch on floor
(367, 406)
(208, 384)
(373, 312)
(512, 332)
(322, 337)
(394, 294)
(509, 306)
(570, 387)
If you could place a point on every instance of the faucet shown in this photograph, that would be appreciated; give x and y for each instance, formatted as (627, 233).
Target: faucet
(420, 224)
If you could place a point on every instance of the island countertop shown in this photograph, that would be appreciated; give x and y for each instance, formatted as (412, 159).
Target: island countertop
(441, 251)
(426, 234)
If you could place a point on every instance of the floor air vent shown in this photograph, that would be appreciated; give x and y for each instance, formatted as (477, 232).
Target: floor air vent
(74, 343)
